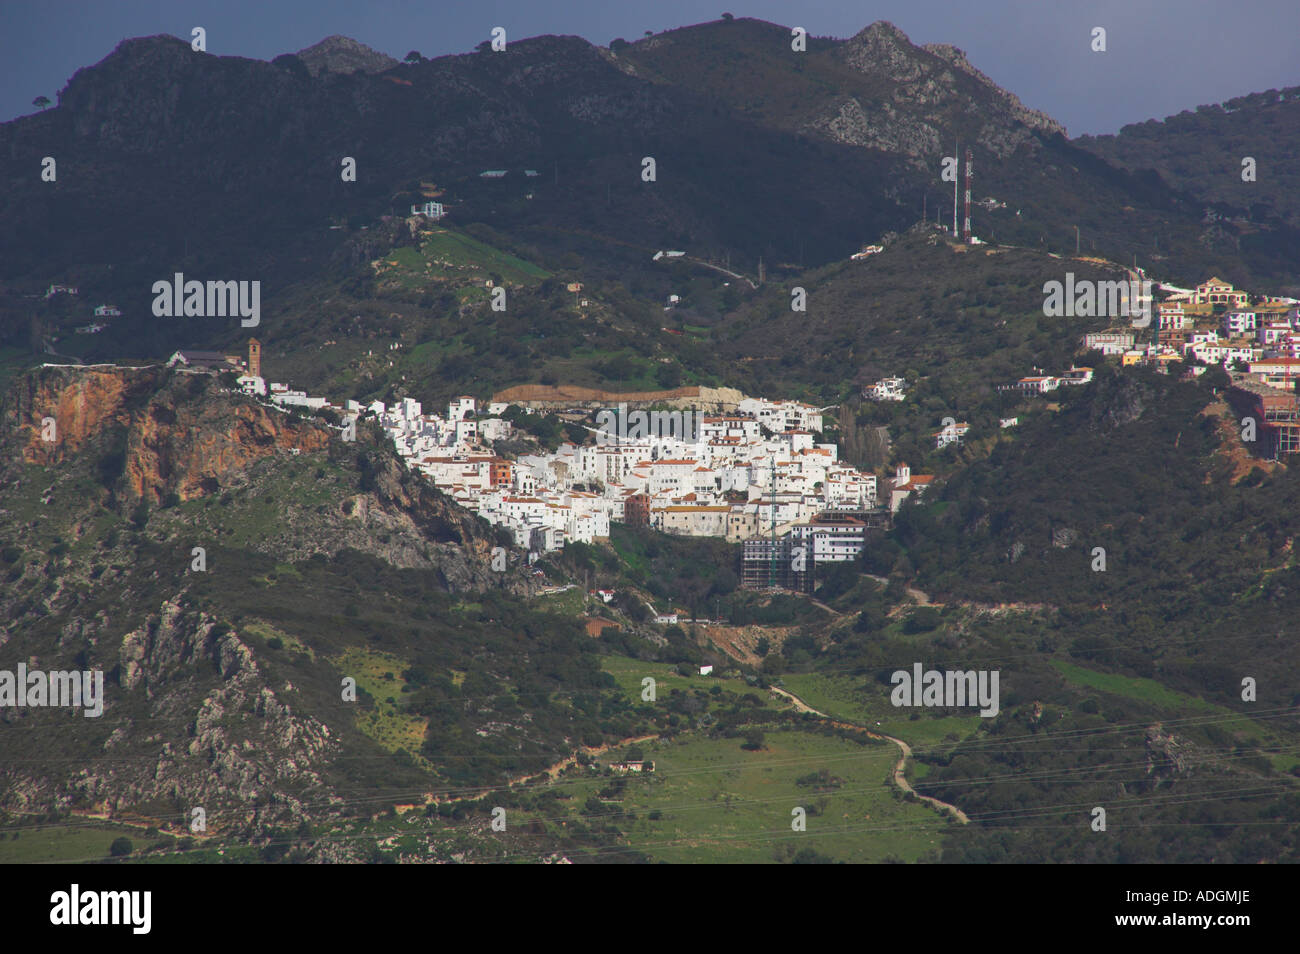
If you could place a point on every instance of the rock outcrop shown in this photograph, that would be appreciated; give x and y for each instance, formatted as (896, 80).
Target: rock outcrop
(167, 432)
(341, 54)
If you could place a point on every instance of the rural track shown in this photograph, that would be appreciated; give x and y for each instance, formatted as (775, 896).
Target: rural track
(900, 779)
(922, 598)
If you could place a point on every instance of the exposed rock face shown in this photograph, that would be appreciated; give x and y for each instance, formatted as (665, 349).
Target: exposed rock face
(157, 432)
(84, 403)
(1166, 754)
(174, 442)
(920, 90)
(245, 757)
(341, 54)
(245, 743)
(848, 122)
(883, 49)
(1034, 118)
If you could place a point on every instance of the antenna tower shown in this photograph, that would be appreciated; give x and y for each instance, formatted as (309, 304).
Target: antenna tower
(969, 172)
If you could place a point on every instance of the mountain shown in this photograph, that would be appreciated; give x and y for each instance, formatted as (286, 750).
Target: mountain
(341, 54)
(309, 642)
(171, 160)
(874, 90)
(1202, 151)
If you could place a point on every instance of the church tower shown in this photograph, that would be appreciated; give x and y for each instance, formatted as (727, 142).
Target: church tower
(254, 357)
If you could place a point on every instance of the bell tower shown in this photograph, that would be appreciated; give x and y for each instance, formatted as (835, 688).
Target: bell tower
(254, 357)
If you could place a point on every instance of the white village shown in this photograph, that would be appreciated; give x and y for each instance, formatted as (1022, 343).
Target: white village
(754, 474)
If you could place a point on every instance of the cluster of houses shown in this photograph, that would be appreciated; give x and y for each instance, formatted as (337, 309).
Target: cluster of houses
(1216, 324)
(101, 311)
(1255, 338)
(95, 327)
(755, 474)
(735, 477)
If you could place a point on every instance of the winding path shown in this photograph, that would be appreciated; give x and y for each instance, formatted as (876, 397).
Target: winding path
(900, 778)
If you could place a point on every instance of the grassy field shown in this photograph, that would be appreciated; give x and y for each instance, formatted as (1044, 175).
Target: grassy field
(628, 673)
(380, 674)
(710, 800)
(844, 698)
(455, 258)
(76, 840)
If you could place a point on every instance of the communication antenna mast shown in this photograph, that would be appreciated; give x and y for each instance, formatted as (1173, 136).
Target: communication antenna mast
(969, 172)
(956, 157)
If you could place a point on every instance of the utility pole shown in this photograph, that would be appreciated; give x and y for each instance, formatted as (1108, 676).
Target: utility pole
(1076, 240)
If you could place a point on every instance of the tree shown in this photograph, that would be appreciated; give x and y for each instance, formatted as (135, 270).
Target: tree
(753, 740)
(40, 102)
(414, 57)
(728, 17)
(121, 847)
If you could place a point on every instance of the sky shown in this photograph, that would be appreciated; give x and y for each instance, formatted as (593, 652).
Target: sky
(1162, 56)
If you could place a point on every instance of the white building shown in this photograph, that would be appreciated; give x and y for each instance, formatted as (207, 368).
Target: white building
(953, 433)
(430, 210)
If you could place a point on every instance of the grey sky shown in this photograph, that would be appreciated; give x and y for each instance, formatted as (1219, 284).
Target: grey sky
(1163, 56)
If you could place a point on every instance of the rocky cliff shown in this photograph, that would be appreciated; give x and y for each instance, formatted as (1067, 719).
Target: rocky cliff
(167, 432)
(205, 706)
(922, 95)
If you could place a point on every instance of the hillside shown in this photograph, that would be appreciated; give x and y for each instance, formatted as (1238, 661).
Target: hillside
(364, 645)
(1201, 152)
(729, 152)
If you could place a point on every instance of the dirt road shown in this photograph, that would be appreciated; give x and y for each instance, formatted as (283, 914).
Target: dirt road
(900, 778)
